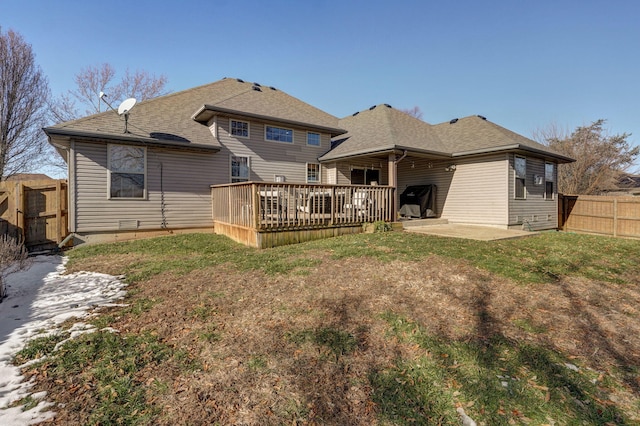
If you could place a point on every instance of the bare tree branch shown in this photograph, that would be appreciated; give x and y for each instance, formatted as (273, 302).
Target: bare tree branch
(600, 158)
(141, 85)
(24, 95)
(414, 112)
(102, 78)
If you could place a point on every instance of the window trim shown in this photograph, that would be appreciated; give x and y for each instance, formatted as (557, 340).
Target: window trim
(552, 181)
(516, 178)
(145, 193)
(231, 177)
(231, 120)
(319, 139)
(267, 126)
(319, 173)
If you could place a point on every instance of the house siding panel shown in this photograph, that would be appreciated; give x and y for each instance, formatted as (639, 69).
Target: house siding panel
(462, 195)
(271, 158)
(535, 212)
(184, 177)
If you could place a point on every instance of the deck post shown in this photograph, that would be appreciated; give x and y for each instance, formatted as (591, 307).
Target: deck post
(393, 182)
(255, 200)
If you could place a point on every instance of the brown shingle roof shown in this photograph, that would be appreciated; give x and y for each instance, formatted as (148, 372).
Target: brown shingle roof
(475, 135)
(170, 119)
(383, 128)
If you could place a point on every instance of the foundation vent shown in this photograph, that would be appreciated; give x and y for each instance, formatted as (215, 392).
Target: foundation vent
(128, 224)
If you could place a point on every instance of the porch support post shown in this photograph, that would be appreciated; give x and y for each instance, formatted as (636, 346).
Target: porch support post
(393, 182)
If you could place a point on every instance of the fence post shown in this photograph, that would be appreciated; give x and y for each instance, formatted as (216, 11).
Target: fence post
(58, 212)
(20, 211)
(615, 217)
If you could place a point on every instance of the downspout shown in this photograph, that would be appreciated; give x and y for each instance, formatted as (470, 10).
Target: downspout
(404, 154)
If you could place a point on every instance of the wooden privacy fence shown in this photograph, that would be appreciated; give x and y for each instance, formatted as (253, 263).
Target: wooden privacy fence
(35, 211)
(614, 216)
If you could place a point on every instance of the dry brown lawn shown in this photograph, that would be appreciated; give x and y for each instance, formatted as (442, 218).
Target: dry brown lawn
(238, 326)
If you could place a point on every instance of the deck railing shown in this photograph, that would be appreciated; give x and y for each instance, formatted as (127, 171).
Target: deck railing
(281, 206)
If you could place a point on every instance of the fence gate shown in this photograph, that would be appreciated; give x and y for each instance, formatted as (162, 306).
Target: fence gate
(35, 211)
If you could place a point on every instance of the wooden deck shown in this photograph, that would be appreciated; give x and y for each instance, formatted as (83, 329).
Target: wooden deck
(264, 214)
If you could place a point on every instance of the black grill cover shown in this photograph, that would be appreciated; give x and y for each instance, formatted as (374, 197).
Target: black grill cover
(418, 201)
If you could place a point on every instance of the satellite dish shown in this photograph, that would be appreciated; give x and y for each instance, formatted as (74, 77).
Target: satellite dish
(126, 106)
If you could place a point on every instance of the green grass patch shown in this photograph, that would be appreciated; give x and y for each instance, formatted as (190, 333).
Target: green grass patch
(529, 326)
(108, 363)
(27, 403)
(337, 342)
(539, 259)
(38, 347)
(141, 305)
(498, 381)
(211, 334)
(257, 363)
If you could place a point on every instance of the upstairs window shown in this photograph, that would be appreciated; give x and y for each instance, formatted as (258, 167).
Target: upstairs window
(313, 173)
(278, 134)
(549, 179)
(239, 169)
(239, 128)
(521, 177)
(313, 139)
(127, 171)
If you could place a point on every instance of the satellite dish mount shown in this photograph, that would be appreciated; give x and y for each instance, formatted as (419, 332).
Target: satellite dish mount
(124, 109)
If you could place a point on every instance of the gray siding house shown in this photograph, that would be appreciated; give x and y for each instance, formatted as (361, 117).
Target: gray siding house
(153, 175)
(484, 174)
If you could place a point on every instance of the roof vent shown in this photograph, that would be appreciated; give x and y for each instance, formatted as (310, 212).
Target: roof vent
(272, 88)
(355, 113)
(388, 106)
(256, 88)
(482, 116)
(373, 107)
(240, 80)
(455, 120)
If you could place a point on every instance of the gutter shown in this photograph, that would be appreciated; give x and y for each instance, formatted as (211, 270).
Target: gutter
(202, 117)
(138, 140)
(383, 150)
(514, 147)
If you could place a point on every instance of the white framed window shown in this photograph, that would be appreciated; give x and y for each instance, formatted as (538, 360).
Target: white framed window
(127, 168)
(240, 169)
(278, 134)
(313, 139)
(549, 179)
(239, 128)
(313, 173)
(520, 166)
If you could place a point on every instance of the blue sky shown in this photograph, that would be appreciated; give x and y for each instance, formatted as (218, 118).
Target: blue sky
(522, 64)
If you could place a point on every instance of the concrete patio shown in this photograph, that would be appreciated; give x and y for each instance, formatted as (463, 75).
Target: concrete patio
(471, 232)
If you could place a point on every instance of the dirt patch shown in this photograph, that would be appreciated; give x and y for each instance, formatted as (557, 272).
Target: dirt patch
(256, 337)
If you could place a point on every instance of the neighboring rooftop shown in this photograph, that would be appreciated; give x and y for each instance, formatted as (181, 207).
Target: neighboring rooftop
(28, 176)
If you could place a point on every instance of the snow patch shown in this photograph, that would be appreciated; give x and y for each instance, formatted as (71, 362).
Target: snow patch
(38, 300)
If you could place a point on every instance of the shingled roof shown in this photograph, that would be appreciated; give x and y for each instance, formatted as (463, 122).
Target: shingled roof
(384, 129)
(477, 135)
(381, 129)
(177, 119)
